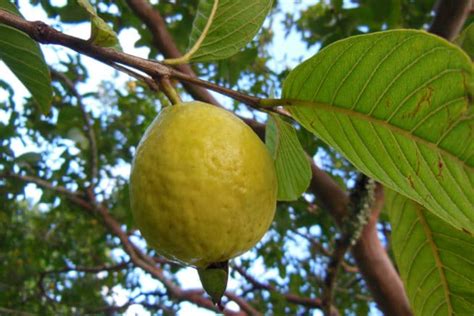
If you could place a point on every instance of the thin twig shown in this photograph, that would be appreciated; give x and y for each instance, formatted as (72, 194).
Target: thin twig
(319, 247)
(9, 311)
(136, 255)
(97, 269)
(342, 245)
(289, 297)
(149, 81)
(361, 297)
(76, 197)
(165, 44)
(243, 304)
(45, 34)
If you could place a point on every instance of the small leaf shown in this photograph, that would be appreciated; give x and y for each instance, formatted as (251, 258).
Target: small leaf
(76, 135)
(24, 58)
(234, 25)
(398, 105)
(291, 164)
(466, 40)
(29, 158)
(101, 33)
(436, 261)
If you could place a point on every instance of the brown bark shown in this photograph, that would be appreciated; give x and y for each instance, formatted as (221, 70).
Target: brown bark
(450, 17)
(375, 265)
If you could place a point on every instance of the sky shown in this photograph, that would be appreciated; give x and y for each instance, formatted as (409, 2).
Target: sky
(295, 49)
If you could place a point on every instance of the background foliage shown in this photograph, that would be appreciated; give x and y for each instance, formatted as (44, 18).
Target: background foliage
(58, 258)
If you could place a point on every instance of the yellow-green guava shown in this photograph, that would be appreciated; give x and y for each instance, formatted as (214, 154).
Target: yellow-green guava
(203, 186)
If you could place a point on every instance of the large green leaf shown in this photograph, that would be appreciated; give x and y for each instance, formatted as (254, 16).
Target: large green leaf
(436, 261)
(398, 105)
(24, 58)
(291, 164)
(235, 23)
(101, 33)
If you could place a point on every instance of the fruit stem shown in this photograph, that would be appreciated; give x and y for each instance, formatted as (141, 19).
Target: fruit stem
(169, 90)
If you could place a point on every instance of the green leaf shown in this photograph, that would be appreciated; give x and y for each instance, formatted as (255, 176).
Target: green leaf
(235, 23)
(76, 135)
(24, 58)
(466, 40)
(101, 33)
(398, 105)
(436, 261)
(28, 158)
(291, 164)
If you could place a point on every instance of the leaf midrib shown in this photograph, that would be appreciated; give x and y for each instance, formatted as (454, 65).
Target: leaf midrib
(439, 264)
(376, 121)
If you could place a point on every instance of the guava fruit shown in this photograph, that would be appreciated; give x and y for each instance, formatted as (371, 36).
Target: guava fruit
(203, 186)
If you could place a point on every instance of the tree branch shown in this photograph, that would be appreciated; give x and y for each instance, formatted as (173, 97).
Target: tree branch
(164, 42)
(375, 265)
(147, 263)
(107, 268)
(450, 16)
(8, 311)
(45, 34)
(289, 297)
(76, 197)
(138, 258)
(150, 82)
(361, 203)
(326, 252)
(243, 304)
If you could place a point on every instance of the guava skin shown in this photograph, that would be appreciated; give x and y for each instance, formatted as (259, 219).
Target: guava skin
(203, 185)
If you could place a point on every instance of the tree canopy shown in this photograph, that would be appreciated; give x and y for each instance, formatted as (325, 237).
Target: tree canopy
(339, 243)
